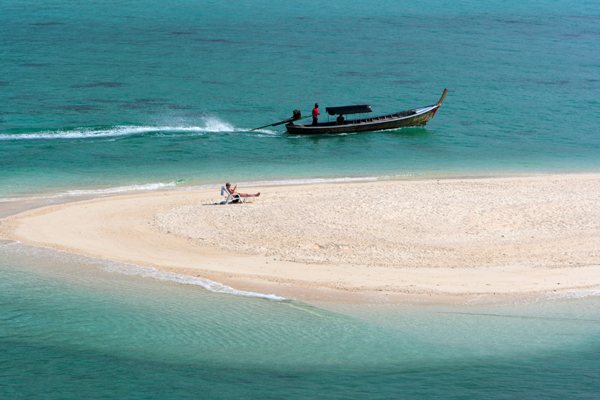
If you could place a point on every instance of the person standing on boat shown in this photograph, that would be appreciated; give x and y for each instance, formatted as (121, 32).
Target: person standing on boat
(315, 114)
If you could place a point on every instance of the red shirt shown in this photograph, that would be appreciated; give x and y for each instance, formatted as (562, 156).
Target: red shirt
(315, 112)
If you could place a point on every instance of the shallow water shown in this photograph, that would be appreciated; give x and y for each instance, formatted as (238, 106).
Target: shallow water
(71, 328)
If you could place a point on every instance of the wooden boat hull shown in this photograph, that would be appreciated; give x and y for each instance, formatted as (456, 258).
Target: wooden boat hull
(414, 117)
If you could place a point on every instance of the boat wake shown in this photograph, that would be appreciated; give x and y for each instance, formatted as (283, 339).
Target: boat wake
(209, 125)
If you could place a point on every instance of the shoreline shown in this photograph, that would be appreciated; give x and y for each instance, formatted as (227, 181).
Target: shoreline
(158, 229)
(94, 191)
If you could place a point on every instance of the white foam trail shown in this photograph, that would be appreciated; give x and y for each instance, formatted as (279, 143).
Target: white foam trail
(92, 133)
(308, 181)
(207, 284)
(216, 125)
(11, 199)
(163, 185)
(266, 132)
(137, 270)
(211, 125)
(92, 192)
(284, 182)
(119, 189)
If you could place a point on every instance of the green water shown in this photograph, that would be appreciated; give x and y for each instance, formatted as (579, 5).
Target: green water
(70, 328)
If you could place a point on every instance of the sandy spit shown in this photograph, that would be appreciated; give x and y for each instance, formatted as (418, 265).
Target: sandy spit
(370, 240)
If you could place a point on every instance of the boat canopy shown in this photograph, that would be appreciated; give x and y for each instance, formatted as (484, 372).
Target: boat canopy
(362, 108)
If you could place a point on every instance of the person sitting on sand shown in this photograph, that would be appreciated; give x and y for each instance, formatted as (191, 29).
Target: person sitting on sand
(233, 191)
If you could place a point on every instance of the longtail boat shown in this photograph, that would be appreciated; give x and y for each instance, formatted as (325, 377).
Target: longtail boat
(414, 117)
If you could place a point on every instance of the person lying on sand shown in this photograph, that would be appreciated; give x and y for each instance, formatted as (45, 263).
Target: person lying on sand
(234, 192)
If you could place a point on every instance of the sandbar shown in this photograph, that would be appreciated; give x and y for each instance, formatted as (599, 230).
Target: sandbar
(387, 240)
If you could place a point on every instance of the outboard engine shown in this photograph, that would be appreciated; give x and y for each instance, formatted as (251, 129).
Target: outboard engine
(296, 115)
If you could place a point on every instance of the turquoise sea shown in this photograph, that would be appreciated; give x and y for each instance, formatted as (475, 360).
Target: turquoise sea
(69, 329)
(97, 94)
(110, 96)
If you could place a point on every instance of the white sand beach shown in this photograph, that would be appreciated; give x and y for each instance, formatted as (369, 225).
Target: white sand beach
(396, 239)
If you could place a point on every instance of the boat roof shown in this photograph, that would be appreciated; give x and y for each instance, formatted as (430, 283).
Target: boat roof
(356, 109)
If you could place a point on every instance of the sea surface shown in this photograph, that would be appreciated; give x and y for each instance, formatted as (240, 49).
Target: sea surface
(113, 96)
(98, 94)
(69, 329)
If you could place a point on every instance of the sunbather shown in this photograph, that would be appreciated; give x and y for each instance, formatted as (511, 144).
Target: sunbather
(232, 191)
